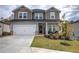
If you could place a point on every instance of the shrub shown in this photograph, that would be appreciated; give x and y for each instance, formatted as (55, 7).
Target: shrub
(65, 43)
(47, 36)
(6, 33)
(67, 38)
(50, 36)
(53, 35)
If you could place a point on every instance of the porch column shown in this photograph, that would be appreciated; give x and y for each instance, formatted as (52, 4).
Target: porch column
(11, 28)
(46, 29)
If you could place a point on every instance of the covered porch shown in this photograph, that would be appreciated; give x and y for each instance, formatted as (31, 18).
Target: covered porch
(47, 27)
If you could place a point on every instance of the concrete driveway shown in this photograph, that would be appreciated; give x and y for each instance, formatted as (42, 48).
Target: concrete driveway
(15, 44)
(21, 44)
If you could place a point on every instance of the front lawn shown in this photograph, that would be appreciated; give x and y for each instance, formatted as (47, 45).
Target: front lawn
(63, 45)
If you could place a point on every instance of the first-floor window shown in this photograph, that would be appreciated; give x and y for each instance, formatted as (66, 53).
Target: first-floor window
(52, 29)
(73, 34)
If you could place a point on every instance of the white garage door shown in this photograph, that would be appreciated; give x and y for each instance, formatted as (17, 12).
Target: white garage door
(26, 29)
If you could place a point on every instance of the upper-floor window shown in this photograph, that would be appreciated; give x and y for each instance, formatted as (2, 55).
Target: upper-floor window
(52, 15)
(22, 15)
(38, 16)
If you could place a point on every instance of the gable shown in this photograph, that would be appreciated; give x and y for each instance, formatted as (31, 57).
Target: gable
(21, 8)
(53, 9)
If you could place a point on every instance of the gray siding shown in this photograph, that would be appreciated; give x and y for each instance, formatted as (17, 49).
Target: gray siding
(1, 29)
(22, 9)
(52, 10)
(38, 11)
(75, 30)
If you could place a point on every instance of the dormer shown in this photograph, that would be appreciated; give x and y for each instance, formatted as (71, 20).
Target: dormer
(38, 14)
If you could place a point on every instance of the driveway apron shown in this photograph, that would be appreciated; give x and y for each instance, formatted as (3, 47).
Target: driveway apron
(15, 44)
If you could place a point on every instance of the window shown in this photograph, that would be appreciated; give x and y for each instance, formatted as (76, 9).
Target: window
(38, 16)
(22, 15)
(52, 28)
(25, 15)
(73, 34)
(0, 26)
(52, 15)
(49, 29)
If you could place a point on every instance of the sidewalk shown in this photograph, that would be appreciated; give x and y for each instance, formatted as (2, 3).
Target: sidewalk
(42, 50)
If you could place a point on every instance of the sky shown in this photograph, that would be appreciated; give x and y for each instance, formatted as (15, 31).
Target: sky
(71, 11)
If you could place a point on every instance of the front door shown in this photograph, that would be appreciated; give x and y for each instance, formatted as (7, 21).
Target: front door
(41, 28)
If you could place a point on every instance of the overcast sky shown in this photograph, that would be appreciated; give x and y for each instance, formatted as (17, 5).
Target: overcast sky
(71, 11)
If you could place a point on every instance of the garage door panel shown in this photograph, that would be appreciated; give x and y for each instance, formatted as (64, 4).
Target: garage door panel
(24, 29)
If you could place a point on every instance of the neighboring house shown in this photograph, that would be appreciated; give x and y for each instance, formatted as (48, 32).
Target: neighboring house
(75, 30)
(1, 27)
(34, 22)
(4, 27)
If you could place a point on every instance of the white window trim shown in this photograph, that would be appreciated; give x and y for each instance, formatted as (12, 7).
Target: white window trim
(22, 15)
(51, 15)
(38, 15)
(52, 26)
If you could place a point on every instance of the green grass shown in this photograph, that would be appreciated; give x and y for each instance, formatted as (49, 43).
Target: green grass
(42, 42)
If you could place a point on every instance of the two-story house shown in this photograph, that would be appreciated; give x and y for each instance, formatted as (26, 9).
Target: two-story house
(34, 22)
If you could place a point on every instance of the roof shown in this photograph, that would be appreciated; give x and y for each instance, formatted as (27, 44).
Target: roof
(73, 22)
(38, 10)
(54, 9)
(44, 20)
(20, 7)
(5, 22)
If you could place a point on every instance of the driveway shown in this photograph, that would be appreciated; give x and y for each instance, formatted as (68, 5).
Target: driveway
(14, 44)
